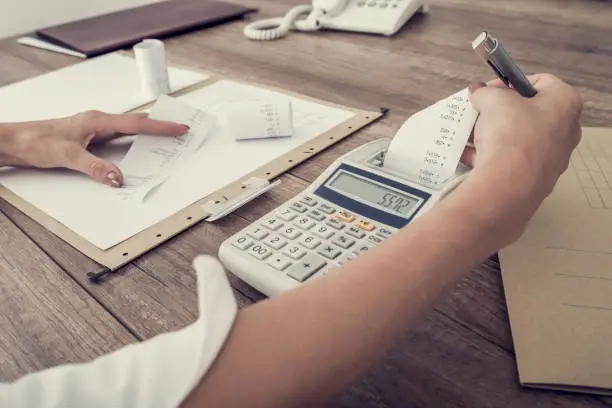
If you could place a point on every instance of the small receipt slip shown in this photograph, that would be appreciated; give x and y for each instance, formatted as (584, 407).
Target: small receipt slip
(152, 159)
(261, 120)
(429, 145)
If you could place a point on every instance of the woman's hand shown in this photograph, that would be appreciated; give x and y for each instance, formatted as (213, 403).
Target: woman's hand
(62, 143)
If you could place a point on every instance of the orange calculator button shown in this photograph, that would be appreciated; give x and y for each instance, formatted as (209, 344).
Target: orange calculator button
(344, 216)
(365, 225)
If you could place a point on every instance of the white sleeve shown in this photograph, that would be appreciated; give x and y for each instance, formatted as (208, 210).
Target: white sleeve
(160, 372)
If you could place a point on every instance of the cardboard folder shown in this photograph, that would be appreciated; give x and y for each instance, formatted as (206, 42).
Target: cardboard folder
(110, 32)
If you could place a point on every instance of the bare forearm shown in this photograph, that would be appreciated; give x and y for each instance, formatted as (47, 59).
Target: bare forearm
(299, 348)
(9, 140)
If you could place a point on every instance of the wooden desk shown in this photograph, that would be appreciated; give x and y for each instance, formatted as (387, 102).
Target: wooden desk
(461, 354)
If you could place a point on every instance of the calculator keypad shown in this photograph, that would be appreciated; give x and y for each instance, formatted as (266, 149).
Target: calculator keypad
(308, 237)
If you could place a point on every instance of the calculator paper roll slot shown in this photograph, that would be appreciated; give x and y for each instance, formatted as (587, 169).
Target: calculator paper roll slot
(150, 57)
(428, 147)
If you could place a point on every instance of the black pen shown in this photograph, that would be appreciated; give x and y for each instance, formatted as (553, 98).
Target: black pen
(493, 53)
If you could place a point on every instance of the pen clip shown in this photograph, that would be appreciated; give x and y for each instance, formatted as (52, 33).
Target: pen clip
(499, 73)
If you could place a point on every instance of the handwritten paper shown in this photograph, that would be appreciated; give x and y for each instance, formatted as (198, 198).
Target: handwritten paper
(152, 159)
(429, 145)
(261, 120)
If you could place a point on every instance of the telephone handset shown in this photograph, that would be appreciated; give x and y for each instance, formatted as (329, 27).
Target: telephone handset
(384, 17)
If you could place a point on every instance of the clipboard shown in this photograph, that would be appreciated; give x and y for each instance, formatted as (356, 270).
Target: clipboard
(212, 207)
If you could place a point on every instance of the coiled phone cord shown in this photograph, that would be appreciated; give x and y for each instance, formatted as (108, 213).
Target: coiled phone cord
(275, 28)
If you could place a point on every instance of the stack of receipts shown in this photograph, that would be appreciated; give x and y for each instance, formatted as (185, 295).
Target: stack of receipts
(428, 147)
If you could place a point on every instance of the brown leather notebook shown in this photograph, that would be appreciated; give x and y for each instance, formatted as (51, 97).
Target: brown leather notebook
(121, 29)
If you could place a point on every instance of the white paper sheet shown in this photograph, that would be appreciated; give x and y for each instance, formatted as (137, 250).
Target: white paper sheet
(152, 159)
(110, 83)
(90, 208)
(45, 45)
(428, 147)
(261, 120)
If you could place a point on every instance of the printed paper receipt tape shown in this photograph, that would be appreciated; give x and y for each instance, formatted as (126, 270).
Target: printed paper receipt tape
(429, 145)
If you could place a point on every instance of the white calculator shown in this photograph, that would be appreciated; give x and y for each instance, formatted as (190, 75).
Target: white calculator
(353, 206)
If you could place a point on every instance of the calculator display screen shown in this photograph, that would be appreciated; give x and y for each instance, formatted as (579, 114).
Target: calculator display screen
(374, 194)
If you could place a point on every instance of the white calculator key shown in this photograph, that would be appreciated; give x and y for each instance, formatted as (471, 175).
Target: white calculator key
(279, 262)
(304, 269)
(316, 215)
(290, 232)
(286, 215)
(295, 251)
(299, 207)
(258, 233)
(308, 200)
(343, 241)
(323, 231)
(361, 247)
(276, 242)
(332, 222)
(346, 258)
(304, 223)
(259, 251)
(309, 241)
(329, 251)
(272, 223)
(384, 232)
(242, 242)
(373, 240)
(326, 208)
(355, 232)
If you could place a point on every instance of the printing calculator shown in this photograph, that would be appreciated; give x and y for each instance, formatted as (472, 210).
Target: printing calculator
(350, 208)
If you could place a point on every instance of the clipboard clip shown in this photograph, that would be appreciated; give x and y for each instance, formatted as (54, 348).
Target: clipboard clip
(252, 188)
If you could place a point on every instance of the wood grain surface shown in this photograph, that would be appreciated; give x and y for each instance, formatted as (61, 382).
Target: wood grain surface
(461, 354)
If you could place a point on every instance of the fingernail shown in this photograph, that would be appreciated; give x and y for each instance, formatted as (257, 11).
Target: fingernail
(476, 85)
(113, 178)
(186, 128)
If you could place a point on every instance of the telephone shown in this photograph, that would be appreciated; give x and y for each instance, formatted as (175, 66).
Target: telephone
(383, 17)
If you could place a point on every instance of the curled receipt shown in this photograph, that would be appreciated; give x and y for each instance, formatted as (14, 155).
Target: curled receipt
(151, 60)
(429, 145)
(152, 159)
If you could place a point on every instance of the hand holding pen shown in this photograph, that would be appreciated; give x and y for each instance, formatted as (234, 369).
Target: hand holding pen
(493, 53)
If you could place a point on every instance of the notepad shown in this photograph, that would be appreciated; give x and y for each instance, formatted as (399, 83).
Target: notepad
(91, 210)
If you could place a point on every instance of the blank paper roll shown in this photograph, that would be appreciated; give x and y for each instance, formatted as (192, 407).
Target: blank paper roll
(151, 60)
